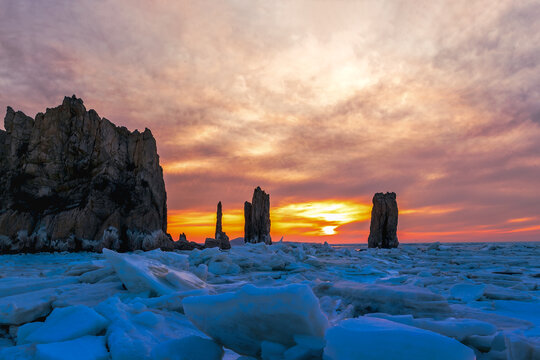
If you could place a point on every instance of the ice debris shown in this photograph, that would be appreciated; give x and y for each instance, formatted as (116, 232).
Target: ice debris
(140, 273)
(372, 339)
(243, 320)
(63, 324)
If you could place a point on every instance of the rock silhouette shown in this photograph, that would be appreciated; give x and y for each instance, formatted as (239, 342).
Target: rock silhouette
(384, 221)
(257, 218)
(74, 181)
(221, 236)
(184, 244)
(221, 239)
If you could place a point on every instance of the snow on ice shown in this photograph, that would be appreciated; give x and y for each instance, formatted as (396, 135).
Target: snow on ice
(284, 301)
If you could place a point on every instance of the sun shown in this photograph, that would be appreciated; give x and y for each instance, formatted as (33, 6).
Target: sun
(328, 230)
(321, 217)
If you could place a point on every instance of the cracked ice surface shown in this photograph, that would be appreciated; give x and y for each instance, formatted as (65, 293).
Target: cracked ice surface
(460, 300)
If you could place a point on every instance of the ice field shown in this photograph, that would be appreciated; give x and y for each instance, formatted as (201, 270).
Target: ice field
(284, 301)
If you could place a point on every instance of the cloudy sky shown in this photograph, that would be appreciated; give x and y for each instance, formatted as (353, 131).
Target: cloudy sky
(321, 103)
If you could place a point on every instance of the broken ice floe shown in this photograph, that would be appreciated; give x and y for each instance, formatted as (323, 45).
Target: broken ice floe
(479, 298)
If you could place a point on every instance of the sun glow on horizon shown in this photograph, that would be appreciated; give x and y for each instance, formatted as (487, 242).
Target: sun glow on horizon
(304, 220)
(323, 217)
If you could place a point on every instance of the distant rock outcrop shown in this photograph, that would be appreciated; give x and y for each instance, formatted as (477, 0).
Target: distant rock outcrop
(184, 244)
(73, 181)
(210, 243)
(257, 218)
(221, 236)
(384, 221)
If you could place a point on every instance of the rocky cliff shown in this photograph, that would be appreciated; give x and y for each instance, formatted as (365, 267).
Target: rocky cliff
(257, 218)
(384, 221)
(74, 181)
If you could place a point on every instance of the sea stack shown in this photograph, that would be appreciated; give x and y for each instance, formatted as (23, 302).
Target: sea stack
(257, 218)
(73, 181)
(184, 244)
(221, 237)
(384, 221)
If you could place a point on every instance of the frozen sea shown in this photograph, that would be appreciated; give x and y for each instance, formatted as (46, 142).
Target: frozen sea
(284, 301)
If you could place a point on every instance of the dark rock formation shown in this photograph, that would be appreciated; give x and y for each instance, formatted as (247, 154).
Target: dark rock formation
(219, 216)
(221, 236)
(257, 218)
(384, 221)
(182, 237)
(221, 239)
(248, 222)
(73, 181)
(184, 244)
(211, 243)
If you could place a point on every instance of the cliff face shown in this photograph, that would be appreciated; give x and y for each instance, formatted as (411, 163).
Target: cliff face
(384, 221)
(67, 176)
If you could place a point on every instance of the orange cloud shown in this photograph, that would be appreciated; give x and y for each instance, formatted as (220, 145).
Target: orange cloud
(429, 210)
(520, 220)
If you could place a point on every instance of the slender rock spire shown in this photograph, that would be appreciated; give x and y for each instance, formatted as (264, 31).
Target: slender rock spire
(218, 219)
(221, 237)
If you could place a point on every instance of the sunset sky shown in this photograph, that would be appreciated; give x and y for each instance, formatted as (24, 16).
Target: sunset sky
(321, 103)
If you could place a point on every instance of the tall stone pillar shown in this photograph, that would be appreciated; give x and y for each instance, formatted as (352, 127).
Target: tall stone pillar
(257, 218)
(221, 237)
(384, 221)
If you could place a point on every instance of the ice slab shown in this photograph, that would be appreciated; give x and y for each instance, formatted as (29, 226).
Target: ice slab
(94, 276)
(307, 347)
(20, 285)
(135, 330)
(372, 339)
(390, 299)
(189, 348)
(171, 259)
(222, 264)
(86, 294)
(171, 302)
(140, 274)
(244, 319)
(522, 348)
(83, 348)
(22, 308)
(500, 293)
(467, 292)
(63, 324)
(458, 329)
